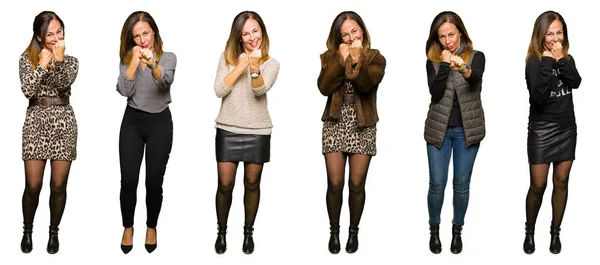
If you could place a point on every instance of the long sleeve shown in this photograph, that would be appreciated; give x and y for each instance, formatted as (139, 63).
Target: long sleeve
(437, 82)
(221, 90)
(366, 75)
(538, 75)
(30, 79)
(331, 78)
(269, 71)
(168, 62)
(567, 72)
(125, 86)
(477, 68)
(63, 76)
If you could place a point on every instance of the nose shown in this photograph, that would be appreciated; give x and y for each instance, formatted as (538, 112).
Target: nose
(555, 37)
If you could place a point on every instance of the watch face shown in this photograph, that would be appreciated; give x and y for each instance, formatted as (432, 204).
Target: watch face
(254, 75)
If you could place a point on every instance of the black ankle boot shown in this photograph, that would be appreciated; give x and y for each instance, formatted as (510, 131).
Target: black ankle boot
(27, 241)
(151, 247)
(352, 244)
(127, 248)
(221, 243)
(52, 247)
(334, 239)
(456, 245)
(555, 245)
(435, 245)
(529, 244)
(248, 244)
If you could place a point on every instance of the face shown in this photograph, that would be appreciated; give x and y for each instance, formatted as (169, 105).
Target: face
(351, 31)
(449, 37)
(53, 34)
(251, 35)
(143, 35)
(553, 35)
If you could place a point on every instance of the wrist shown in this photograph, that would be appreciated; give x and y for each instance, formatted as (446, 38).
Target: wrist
(464, 71)
(153, 66)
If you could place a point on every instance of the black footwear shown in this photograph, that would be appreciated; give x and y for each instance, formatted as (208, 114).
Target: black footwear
(352, 244)
(456, 245)
(221, 243)
(435, 245)
(27, 241)
(529, 243)
(334, 239)
(150, 247)
(248, 244)
(53, 245)
(555, 245)
(127, 248)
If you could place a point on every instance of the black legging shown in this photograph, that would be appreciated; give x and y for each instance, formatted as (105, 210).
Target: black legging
(155, 132)
(359, 167)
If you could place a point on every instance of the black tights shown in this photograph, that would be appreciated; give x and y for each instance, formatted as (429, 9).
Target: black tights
(560, 180)
(34, 173)
(359, 166)
(227, 172)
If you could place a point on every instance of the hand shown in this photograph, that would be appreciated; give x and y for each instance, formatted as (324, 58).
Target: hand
(58, 50)
(45, 57)
(445, 56)
(457, 63)
(356, 50)
(557, 51)
(547, 54)
(147, 57)
(136, 53)
(254, 58)
(344, 51)
(243, 61)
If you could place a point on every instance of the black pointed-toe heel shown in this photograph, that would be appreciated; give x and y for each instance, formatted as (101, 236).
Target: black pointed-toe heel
(127, 248)
(53, 244)
(555, 245)
(151, 247)
(456, 245)
(221, 242)
(435, 245)
(352, 244)
(529, 243)
(248, 244)
(334, 239)
(27, 241)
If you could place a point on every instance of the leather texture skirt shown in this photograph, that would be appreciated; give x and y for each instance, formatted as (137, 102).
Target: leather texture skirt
(551, 142)
(250, 148)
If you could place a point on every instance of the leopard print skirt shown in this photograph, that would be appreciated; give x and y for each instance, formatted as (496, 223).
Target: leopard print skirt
(345, 136)
(50, 133)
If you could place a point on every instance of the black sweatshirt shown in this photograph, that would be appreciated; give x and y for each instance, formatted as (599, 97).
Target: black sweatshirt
(437, 84)
(549, 83)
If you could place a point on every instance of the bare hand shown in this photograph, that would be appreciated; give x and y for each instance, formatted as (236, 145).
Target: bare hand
(45, 57)
(243, 61)
(136, 53)
(547, 54)
(147, 57)
(58, 50)
(356, 50)
(254, 58)
(557, 51)
(457, 63)
(344, 51)
(445, 56)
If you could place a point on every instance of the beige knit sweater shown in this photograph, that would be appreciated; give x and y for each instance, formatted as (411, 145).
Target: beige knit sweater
(242, 106)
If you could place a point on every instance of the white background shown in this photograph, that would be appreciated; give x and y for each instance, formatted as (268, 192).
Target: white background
(292, 226)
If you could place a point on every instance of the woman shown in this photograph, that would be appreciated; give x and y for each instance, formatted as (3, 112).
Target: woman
(146, 75)
(50, 128)
(245, 74)
(455, 123)
(350, 75)
(550, 73)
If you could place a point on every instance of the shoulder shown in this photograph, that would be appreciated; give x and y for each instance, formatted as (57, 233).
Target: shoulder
(478, 54)
(374, 56)
(169, 56)
(71, 58)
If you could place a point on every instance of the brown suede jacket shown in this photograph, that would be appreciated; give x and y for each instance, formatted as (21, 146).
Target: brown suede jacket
(365, 78)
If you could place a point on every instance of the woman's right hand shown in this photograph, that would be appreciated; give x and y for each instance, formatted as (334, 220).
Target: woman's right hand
(136, 53)
(243, 61)
(45, 57)
(445, 56)
(547, 54)
(344, 51)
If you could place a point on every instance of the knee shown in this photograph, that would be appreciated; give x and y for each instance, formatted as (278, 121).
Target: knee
(33, 189)
(225, 187)
(335, 186)
(461, 186)
(356, 187)
(58, 188)
(561, 181)
(436, 187)
(537, 188)
(252, 185)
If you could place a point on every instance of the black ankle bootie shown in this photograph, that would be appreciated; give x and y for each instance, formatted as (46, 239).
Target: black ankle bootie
(435, 245)
(27, 241)
(555, 245)
(53, 244)
(352, 244)
(529, 243)
(248, 244)
(456, 245)
(334, 239)
(221, 243)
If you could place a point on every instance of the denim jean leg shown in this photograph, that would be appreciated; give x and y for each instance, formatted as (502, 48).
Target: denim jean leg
(464, 159)
(439, 160)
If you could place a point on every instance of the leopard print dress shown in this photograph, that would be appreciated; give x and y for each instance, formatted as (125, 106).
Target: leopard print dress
(345, 136)
(49, 132)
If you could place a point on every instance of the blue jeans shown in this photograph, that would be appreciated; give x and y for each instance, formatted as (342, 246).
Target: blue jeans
(439, 161)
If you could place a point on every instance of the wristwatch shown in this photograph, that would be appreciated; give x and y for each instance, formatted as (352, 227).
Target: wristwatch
(58, 63)
(255, 74)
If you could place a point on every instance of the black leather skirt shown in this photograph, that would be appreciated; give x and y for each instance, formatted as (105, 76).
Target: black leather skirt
(551, 142)
(251, 148)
